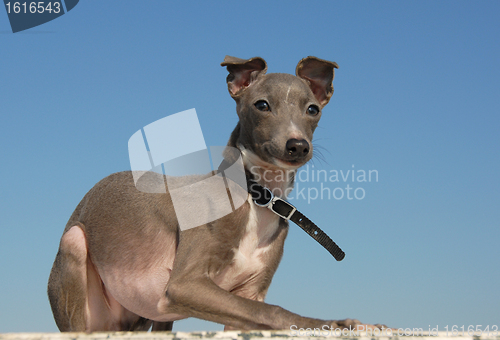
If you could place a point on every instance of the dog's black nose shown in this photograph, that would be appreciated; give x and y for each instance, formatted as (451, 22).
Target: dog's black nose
(297, 148)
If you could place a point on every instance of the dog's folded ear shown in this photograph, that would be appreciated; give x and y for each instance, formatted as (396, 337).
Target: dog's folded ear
(319, 74)
(242, 72)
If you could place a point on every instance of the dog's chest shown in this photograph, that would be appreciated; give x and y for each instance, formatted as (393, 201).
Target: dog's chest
(249, 259)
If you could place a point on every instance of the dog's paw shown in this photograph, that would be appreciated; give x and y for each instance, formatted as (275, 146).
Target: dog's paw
(356, 325)
(346, 323)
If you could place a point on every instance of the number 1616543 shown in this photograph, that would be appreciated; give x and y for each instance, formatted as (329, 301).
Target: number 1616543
(26, 7)
(471, 330)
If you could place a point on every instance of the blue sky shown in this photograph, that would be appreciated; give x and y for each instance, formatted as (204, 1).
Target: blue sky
(416, 99)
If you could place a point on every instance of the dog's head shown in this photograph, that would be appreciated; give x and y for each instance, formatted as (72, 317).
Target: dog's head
(278, 112)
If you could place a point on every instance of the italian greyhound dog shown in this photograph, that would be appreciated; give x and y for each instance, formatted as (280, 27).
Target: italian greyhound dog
(124, 264)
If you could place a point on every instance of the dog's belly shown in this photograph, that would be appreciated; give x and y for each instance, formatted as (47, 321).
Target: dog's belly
(138, 287)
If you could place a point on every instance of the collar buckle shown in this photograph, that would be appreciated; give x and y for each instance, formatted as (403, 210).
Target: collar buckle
(276, 204)
(282, 208)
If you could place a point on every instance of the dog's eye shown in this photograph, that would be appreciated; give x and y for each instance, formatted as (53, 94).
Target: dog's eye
(262, 105)
(313, 110)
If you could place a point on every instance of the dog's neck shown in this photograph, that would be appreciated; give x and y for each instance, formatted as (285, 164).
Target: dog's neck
(279, 180)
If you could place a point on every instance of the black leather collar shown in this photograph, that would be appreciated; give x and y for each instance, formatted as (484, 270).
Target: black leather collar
(263, 197)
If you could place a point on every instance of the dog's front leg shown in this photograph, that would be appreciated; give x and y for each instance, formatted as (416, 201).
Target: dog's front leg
(201, 298)
(191, 291)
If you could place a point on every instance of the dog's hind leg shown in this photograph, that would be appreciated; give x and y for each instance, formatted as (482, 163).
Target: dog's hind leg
(78, 297)
(67, 288)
